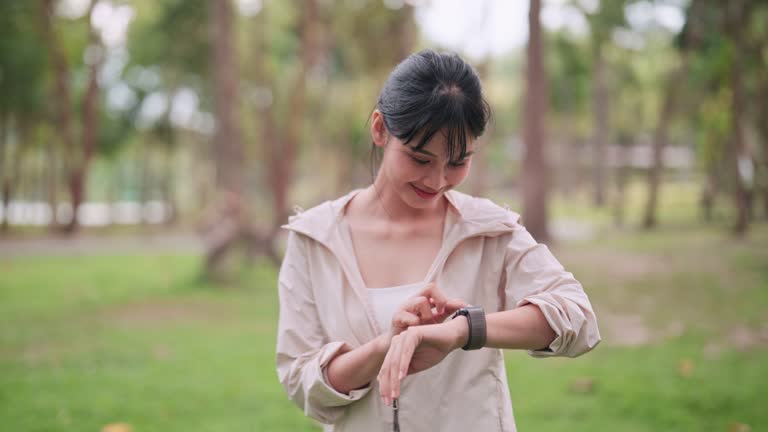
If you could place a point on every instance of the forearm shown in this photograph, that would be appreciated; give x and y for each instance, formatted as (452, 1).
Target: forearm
(524, 327)
(521, 328)
(358, 367)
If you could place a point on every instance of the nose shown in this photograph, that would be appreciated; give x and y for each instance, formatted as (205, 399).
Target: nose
(436, 178)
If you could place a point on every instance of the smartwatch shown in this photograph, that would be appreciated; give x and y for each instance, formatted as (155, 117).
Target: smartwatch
(477, 328)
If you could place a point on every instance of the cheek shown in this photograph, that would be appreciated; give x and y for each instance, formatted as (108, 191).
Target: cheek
(403, 170)
(458, 175)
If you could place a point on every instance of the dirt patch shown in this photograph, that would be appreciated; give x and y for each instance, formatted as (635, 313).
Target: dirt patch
(631, 330)
(744, 338)
(614, 264)
(625, 330)
(167, 312)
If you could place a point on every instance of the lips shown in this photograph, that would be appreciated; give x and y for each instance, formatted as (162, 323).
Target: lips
(422, 193)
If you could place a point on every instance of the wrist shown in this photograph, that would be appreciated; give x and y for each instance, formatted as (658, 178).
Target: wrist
(381, 344)
(460, 330)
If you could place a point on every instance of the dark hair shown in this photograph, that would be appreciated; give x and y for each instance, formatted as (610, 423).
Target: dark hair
(432, 92)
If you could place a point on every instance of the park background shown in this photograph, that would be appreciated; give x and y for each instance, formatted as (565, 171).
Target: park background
(149, 151)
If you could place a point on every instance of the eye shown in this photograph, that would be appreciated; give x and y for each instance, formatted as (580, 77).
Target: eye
(458, 164)
(420, 161)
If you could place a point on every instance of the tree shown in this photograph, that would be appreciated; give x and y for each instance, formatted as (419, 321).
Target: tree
(227, 139)
(688, 40)
(736, 14)
(283, 149)
(156, 50)
(535, 171)
(568, 67)
(79, 157)
(607, 16)
(22, 78)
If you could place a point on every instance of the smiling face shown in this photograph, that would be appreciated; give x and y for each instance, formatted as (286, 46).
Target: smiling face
(419, 177)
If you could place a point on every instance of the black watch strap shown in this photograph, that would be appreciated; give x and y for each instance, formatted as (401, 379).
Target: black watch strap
(477, 327)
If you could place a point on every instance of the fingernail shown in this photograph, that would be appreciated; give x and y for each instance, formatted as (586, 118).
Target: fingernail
(401, 375)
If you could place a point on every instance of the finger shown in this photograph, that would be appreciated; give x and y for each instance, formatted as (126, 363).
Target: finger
(451, 306)
(408, 346)
(418, 305)
(437, 297)
(424, 311)
(384, 382)
(394, 365)
(402, 320)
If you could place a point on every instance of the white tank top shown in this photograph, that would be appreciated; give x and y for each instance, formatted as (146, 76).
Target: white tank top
(387, 300)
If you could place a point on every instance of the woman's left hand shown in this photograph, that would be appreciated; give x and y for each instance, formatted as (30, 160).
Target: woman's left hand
(417, 349)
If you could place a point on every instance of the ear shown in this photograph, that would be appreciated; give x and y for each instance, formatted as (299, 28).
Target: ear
(378, 130)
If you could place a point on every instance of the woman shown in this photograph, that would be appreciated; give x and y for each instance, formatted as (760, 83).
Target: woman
(369, 279)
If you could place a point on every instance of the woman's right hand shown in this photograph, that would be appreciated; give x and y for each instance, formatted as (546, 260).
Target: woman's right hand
(429, 306)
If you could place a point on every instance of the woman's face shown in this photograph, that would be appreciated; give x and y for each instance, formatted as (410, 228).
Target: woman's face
(420, 177)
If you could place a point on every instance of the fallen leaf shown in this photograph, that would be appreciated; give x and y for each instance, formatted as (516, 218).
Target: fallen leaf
(739, 427)
(685, 367)
(583, 385)
(117, 427)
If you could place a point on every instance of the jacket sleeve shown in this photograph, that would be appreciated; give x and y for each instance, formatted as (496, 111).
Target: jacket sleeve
(303, 349)
(534, 276)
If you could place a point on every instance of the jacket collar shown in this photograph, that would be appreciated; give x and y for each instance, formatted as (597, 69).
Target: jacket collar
(474, 216)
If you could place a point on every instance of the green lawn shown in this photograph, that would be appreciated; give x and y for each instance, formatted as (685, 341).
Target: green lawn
(92, 340)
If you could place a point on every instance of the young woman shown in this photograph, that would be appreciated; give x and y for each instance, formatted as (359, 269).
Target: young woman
(370, 280)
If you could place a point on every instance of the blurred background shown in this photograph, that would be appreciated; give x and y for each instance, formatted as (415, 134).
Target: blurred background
(149, 151)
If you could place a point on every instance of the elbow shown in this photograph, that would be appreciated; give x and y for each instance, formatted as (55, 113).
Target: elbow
(574, 325)
(304, 394)
(582, 335)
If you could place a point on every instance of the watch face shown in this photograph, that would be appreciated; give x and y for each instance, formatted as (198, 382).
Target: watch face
(462, 311)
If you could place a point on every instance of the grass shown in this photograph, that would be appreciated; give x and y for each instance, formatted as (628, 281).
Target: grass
(91, 340)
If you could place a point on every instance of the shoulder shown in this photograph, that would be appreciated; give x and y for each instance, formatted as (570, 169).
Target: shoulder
(482, 210)
(318, 219)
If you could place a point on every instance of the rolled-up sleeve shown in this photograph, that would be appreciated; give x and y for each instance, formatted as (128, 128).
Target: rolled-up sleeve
(534, 276)
(303, 348)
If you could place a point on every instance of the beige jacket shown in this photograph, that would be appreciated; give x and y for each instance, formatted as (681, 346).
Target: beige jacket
(487, 258)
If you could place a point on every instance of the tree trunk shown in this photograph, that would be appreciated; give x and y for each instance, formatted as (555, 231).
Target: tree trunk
(691, 37)
(62, 99)
(79, 176)
(406, 33)
(12, 178)
(600, 111)
(535, 176)
(4, 193)
(168, 190)
(761, 184)
(736, 19)
(284, 152)
(480, 168)
(227, 140)
(622, 176)
(52, 181)
(737, 148)
(659, 144)
(143, 167)
(708, 195)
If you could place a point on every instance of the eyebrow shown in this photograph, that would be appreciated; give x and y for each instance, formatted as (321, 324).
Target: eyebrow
(421, 150)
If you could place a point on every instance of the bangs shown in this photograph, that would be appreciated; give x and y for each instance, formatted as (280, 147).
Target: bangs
(449, 114)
